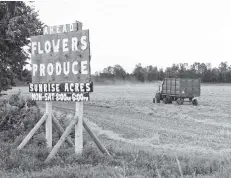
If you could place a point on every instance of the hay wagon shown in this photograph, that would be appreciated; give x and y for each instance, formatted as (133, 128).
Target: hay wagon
(177, 89)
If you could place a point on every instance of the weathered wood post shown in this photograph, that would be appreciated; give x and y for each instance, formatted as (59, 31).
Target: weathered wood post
(79, 128)
(49, 124)
(79, 114)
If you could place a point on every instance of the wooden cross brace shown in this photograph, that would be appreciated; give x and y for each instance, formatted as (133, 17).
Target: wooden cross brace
(77, 121)
(49, 118)
(68, 131)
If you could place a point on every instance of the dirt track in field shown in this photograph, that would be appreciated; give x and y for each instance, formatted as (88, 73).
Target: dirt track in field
(126, 113)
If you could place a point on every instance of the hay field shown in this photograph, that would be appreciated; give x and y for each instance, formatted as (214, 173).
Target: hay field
(130, 115)
(125, 113)
(145, 139)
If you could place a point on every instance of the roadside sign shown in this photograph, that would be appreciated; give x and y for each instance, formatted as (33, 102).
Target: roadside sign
(61, 64)
(61, 72)
(60, 58)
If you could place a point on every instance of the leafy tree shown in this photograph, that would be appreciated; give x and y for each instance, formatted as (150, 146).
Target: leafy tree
(152, 73)
(139, 73)
(175, 70)
(119, 72)
(168, 72)
(195, 67)
(18, 22)
(223, 66)
(26, 75)
(161, 74)
(112, 73)
(107, 72)
(182, 70)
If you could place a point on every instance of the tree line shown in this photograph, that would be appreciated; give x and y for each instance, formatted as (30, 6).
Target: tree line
(207, 74)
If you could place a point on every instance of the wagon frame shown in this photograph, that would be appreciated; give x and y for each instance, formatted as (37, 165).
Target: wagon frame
(177, 89)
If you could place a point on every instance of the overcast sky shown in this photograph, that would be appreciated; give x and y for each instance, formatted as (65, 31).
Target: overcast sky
(149, 32)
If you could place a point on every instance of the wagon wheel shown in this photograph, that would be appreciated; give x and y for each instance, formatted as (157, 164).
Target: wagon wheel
(180, 101)
(153, 100)
(169, 99)
(165, 100)
(157, 98)
(195, 102)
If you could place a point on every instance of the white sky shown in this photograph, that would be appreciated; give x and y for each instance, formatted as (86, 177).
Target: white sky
(149, 32)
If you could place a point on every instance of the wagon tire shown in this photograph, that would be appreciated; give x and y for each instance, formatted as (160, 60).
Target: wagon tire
(157, 98)
(194, 102)
(182, 101)
(169, 99)
(165, 100)
(179, 101)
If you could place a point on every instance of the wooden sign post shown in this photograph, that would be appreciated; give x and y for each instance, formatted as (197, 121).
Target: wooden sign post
(61, 72)
(79, 128)
(49, 124)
